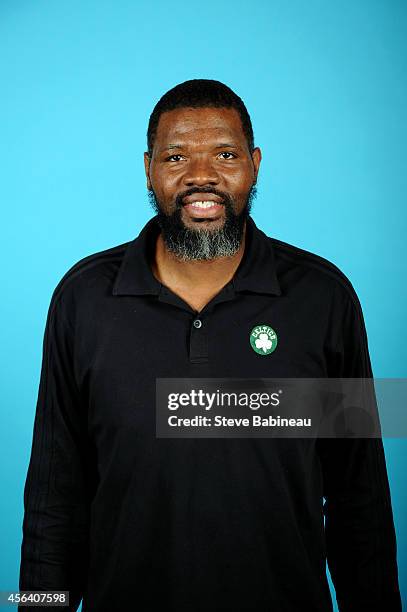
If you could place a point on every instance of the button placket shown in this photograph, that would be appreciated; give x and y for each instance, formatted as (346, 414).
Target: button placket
(198, 342)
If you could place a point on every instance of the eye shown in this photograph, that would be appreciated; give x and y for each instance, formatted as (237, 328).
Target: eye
(228, 153)
(171, 158)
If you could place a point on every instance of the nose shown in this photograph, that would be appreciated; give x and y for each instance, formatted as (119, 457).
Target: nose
(200, 171)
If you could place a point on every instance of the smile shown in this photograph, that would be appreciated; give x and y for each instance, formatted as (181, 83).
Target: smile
(203, 209)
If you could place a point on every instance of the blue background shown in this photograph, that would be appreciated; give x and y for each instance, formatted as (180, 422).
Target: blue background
(325, 84)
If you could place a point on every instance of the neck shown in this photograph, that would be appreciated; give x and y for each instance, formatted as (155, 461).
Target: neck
(195, 274)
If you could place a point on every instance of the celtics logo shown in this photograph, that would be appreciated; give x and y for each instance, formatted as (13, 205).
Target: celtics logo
(263, 339)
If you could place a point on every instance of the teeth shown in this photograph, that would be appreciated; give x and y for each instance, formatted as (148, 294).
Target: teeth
(203, 204)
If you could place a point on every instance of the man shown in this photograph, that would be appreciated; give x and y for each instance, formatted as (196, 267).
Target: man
(131, 521)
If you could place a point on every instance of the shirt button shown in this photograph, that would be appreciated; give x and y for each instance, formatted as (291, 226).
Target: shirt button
(197, 323)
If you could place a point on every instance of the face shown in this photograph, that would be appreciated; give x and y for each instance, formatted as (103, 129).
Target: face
(201, 179)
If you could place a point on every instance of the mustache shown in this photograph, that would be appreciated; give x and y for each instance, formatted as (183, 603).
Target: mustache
(225, 197)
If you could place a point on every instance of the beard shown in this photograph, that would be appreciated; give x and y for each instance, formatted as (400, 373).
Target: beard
(191, 244)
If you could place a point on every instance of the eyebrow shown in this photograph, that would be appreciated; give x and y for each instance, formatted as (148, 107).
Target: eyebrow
(221, 145)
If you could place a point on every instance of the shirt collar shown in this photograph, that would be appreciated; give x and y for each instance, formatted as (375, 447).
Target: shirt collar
(256, 272)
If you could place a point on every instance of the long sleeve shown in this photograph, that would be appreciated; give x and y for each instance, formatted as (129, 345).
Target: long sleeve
(359, 528)
(54, 550)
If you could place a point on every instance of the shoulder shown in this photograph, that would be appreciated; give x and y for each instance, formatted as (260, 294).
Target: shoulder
(318, 275)
(92, 274)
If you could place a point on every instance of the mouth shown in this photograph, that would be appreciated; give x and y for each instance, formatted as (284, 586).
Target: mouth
(203, 206)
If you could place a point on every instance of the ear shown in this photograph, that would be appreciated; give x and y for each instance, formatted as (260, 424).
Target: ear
(256, 157)
(147, 168)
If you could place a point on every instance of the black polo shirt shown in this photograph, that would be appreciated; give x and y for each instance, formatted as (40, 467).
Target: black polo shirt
(129, 521)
